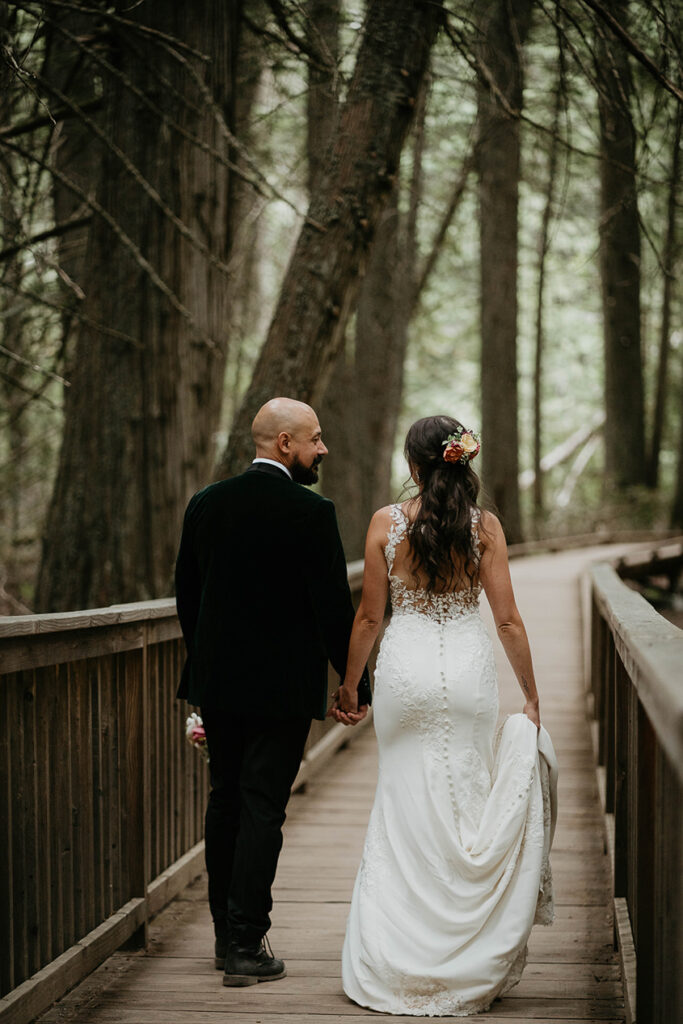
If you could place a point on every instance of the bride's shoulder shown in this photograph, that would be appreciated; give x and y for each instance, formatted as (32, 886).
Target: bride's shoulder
(488, 520)
(382, 517)
(489, 529)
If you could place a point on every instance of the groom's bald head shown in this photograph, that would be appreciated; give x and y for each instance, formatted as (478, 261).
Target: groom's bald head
(288, 432)
(277, 416)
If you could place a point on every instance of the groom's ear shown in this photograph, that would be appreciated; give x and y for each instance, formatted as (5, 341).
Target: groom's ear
(284, 442)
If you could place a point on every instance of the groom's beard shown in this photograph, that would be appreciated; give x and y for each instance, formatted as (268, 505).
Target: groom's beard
(305, 474)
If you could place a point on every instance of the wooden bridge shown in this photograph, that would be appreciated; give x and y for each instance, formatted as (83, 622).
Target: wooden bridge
(103, 800)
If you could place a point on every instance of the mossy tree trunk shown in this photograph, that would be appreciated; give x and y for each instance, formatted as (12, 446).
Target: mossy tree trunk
(321, 283)
(147, 385)
(625, 463)
(503, 28)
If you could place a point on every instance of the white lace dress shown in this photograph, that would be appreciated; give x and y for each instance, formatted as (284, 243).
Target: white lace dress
(455, 869)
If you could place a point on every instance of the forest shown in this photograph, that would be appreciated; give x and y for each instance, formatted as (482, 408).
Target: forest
(387, 209)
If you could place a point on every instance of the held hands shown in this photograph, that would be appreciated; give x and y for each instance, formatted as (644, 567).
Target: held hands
(532, 712)
(345, 707)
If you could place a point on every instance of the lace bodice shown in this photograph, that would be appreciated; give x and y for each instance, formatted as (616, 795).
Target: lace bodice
(437, 607)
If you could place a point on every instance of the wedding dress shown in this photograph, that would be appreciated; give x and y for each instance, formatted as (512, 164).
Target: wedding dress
(455, 869)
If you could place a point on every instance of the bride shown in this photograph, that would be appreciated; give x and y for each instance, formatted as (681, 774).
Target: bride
(455, 867)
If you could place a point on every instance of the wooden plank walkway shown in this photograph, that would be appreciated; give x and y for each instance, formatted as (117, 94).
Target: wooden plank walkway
(573, 971)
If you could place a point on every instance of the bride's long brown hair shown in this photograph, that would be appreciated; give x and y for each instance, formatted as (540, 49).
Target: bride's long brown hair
(441, 544)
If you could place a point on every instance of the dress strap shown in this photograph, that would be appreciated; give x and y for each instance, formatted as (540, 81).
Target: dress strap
(397, 531)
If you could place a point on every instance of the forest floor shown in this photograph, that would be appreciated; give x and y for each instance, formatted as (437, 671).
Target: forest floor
(573, 972)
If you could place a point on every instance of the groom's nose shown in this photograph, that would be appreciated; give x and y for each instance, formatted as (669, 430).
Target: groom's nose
(321, 447)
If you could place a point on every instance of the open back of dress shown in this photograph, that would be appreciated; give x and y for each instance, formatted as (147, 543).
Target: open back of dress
(455, 864)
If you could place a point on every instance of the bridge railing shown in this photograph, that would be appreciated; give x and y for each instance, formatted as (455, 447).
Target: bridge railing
(636, 680)
(101, 797)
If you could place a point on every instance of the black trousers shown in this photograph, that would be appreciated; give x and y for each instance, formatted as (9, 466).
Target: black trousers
(253, 763)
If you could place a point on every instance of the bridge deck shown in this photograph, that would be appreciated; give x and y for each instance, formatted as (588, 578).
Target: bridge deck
(573, 972)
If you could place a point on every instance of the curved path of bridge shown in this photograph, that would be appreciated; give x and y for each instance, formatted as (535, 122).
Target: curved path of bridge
(573, 971)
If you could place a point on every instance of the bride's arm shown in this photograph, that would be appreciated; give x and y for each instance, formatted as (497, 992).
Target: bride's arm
(494, 573)
(370, 614)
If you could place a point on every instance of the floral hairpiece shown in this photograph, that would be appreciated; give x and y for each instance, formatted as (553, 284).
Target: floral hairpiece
(462, 446)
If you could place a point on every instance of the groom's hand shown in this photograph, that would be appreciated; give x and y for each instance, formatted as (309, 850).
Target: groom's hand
(345, 708)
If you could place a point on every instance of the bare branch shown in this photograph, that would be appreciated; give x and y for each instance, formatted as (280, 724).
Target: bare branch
(42, 236)
(105, 15)
(34, 366)
(8, 379)
(146, 187)
(261, 185)
(24, 127)
(633, 48)
(125, 239)
(446, 221)
(62, 308)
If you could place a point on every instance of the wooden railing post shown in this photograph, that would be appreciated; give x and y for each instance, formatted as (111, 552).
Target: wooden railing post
(136, 788)
(608, 729)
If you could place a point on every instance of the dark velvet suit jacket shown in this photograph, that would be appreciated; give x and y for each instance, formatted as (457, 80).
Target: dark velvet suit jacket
(263, 597)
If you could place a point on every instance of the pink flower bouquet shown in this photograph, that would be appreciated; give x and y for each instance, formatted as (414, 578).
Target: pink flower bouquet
(196, 736)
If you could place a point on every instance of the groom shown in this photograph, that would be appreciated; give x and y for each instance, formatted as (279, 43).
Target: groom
(264, 603)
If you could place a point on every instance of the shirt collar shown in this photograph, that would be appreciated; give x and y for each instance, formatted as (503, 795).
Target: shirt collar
(272, 462)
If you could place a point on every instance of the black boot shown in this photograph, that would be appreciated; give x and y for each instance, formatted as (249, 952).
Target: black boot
(246, 965)
(222, 931)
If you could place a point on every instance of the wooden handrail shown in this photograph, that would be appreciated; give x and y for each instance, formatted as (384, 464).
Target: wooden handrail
(101, 796)
(651, 649)
(636, 691)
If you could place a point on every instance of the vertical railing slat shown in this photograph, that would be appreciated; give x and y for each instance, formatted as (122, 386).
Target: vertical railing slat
(621, 804)
(643, 918)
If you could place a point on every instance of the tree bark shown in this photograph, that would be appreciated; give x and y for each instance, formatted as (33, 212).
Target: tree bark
(321, 282)
(620, 266)
(668, 262)
(360, 409)
(322, 100)
(503, 30)
(543, 246)
(139, 424)
(677, 507)
(76, 153)
(363, 401)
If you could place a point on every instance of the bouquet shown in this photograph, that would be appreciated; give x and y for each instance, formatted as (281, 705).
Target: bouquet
(196, 736)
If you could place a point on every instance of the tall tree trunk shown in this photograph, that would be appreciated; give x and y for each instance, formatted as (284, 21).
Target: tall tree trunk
(363, 400)
(13, 324)
(668, 262)
(76, 152)
(322, 99)
(503, 30)
(677, 507)
(620, 264)
(543, 246)
(321, 282)
(338, 410)
(139, 424)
